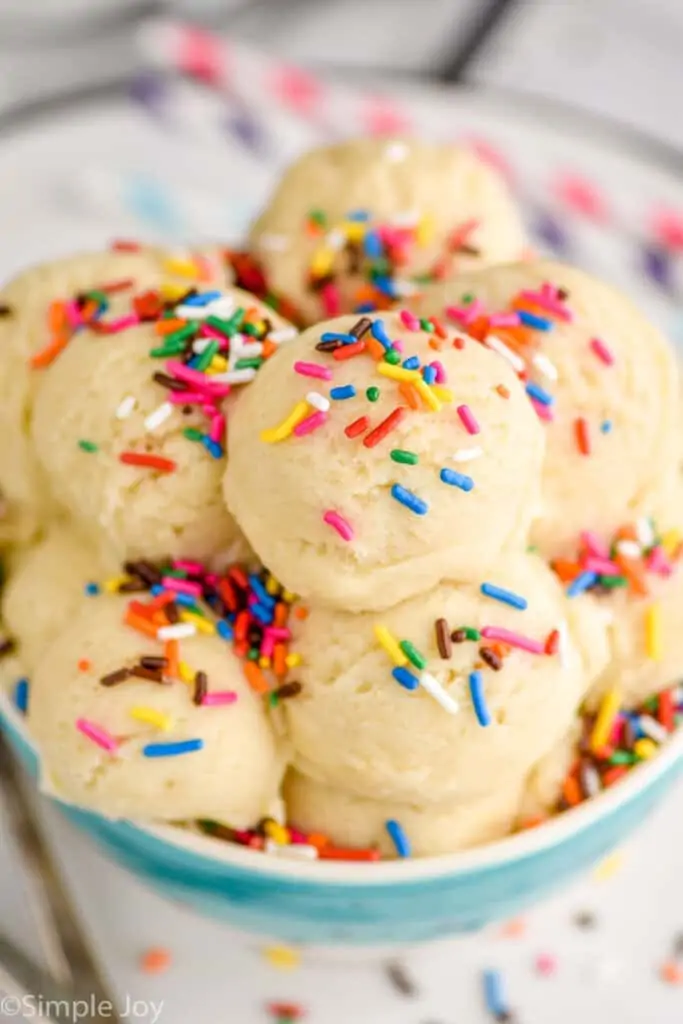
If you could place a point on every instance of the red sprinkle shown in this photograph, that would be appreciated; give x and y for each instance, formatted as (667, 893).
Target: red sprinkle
(125, 245)
(665, 711)
(385, 427)
(357, 427)
(349, 351)
(582, 432)
(552, 642)
(149, 461)
(117, 286)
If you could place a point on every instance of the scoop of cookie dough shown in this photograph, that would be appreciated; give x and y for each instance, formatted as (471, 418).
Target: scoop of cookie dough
(349, 820)
(362, 223)
(363, 725)
(29, 324)
(602, 378)
(45, 586)
(397, 484)
(137, 462)
(233, 777)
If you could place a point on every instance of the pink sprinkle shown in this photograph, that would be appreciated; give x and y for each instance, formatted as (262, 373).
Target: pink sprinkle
(181, 586)
(546, 964)
(331, 300)
(310, 424)
(73, 313)
(207, 331)
(617, 731)
(544, 412)
(603, 566)
(659, 563)
(467, 418)
(220, 697)
(97, 734)
(338, 523)
(525, 643)
(441, 376)
(267, 645)
(185, 398)
(217, 428)
(187, 374)
(504, 320)
(313, 370)
(114, 326)
(465, 314)
(188, 565)
(398, 345)
(409, 320)
(297, 837)
(594, 544)
(278, 632)
(547, 298)
(602, 351)
(209, 409)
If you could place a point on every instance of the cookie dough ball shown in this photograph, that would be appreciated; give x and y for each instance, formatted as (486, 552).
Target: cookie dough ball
(382, 495)
(361, 224)
(29, 323)
(123, 451)
(233, 778)
(353, 821)
(610, 379)
(357, 727)
(45, 586)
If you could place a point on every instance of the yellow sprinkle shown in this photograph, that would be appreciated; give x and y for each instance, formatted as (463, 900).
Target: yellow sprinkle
(425, 231)
(202, 624)
(398, 372)
(298, 413)
(292, 660)
(187, 674)
(608, 867)
(114, 582)
(272, 586)
(670, 541)
(354, 230)
(445, 395)
(151, 717)
(282, 957)
(278, 833)
(264, 662)
(427, 394)
(605, 719)
(390, 644)
(645, 748)
(654, 642)
(183, 268)
(322, 263)
(173, 292)
(219, 364)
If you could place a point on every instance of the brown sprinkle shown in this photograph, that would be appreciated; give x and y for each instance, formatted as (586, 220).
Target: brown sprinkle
(328, 346)
(6, 310)
(172, 613)
(360, 329)
(118, 676)
(169, 382)
(443, 638)
(458, 636)
(132, 586)
(201, 685)
(491, 658)
(7, 645)
(153, 661)
(292, 689)
(153, 674)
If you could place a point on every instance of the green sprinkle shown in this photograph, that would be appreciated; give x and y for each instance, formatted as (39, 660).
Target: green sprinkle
(177, 574)
(222, 326)
(427, 326)
(471, 633)
(252, 329)
(412, 654)
(254, 654)
(469, 297)
(182, 334)
(392, 356)
(206, 356)
(273, 699)
(192, 434)
(318, 217)
(408, 458)
(88, 446)
(100, 297)
(233, 323)
(613, 581)
(167, 350)
(622, 757)
(253, 362)
(372, 394)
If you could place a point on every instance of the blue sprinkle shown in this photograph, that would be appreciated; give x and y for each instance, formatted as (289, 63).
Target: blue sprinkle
(478, 699)
(224, 629)
(455, 479)
(172, 749)
(201, 300)
(157, 589)
(410, 500)
(187, 600)
(92, 589)
(378, 331)
(429, 374)
(372, 245)
(538, 322)
(263, 614)
(348, 339)
(343, 392)
(606, 426)
(358, 216)
(584, 581)
(193, 363)
(539, 393)
(407, 680)
(212, 447)
(365, 307)
(21, 695)
(494, 995)
(398, 838)
(411, 363)
(258, 587)
(506, 596)
(385, 285)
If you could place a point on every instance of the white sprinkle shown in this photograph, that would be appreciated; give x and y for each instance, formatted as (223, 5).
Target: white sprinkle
(222, 307)
(235, 376)
(467, 454)
(126, 407)
(644, 532)
(545, 366)
(273, 242)
(156, 418)
(591, 780)
(201, 344)
(335, 240)
(192, 312)
(251, 348)
(396, 152)
(407, 219)
(177, 631)
(629, 548)
(496, 345)
(318, 401)
(652, 728)
(293, 851)
(436, 690)
(405, 288)
(284, 334)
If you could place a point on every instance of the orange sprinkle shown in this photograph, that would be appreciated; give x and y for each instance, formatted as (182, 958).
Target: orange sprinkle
(164, 327)
(57, 319)
(566, 570)
(479, 328)
(140, 624)
(160, 600)
(671, 972)
(269, 349)
(614, 774)
(458, 342)
(439, 328)
(409, 393)
(374, 348)
(172, 655)
(255, 677)
(301, 612)
(528, 823)
(159, 617)
(155, 961)
(281, 614)
(627, 532)
(317, 839)
(328, 852)
(514, 928)
(143, 611)
(47, 355)
(84, 665)
(436, 344)
(582, 432)
(279, 663)
(148, 461)
(349, 351)
(633, 571)
(571, 791)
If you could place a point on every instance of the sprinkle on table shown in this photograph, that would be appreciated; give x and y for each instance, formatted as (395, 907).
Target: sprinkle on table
(504, 596)
(400, 979)
(494, 995)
